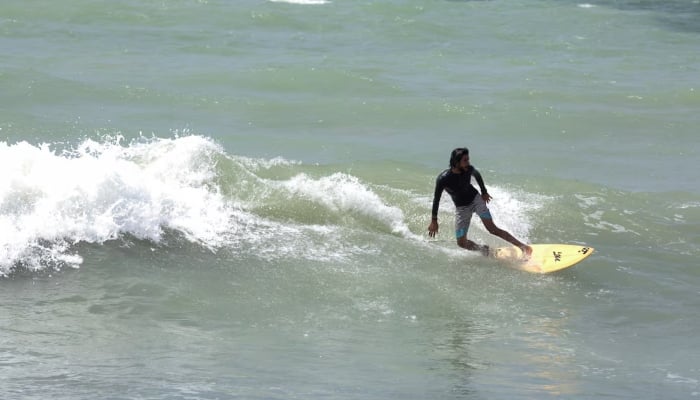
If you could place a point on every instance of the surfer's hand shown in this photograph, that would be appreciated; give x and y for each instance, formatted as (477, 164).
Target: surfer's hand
(433, 228)
(486, 197)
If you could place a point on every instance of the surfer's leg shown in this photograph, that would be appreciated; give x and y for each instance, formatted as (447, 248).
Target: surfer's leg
(468, 244)
(463, 217)
(494, 230)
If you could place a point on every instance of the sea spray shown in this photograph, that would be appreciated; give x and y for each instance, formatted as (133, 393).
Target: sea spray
(51, 200)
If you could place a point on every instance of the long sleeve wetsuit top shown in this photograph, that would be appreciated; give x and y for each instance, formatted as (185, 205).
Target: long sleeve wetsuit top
(458, 186)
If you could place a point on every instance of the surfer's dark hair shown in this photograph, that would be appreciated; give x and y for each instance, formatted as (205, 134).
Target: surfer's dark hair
(457, 155)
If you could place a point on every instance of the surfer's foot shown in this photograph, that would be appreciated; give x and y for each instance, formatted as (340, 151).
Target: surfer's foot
(485, 250)
(527, 251)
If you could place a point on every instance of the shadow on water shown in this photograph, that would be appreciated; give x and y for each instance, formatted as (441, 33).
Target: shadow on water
(679, 15)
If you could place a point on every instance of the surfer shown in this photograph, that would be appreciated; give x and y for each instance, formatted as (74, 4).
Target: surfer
(456, 180)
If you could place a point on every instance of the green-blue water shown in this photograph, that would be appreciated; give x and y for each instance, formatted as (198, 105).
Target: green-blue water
(222, 200)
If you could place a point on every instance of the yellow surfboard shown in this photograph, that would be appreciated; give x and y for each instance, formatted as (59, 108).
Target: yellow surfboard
(545, 258)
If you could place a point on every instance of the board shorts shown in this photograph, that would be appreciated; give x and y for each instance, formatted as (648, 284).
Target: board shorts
(463, 215)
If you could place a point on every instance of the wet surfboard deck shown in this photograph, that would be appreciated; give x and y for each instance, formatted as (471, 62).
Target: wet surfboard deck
(545, 258)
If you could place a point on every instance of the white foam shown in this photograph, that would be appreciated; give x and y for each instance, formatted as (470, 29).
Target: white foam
(256, 164)
(51, 200)
(676, 378)
(596, 218)
(104, 189)
(513, 210)
(692, 204)
(342, 193)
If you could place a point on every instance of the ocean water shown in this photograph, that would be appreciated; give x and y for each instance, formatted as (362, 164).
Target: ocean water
(209, 199)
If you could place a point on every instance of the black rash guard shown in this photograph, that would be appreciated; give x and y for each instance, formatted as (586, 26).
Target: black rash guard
(458, 186)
